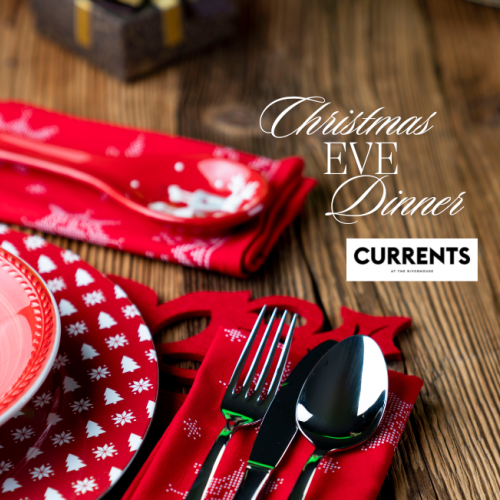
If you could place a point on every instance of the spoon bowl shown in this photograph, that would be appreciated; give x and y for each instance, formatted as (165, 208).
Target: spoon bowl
(342, 401)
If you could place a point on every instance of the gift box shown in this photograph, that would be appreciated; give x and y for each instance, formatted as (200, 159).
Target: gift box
(133, 37)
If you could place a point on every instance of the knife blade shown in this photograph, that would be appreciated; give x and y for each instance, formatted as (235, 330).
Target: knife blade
(278, 427)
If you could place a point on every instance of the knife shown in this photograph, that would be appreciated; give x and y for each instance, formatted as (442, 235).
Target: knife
(278, 427)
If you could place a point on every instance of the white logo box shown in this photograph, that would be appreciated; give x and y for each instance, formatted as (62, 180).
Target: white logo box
(412, 259)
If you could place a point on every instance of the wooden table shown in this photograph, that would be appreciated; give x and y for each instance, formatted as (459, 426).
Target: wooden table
(413, 57)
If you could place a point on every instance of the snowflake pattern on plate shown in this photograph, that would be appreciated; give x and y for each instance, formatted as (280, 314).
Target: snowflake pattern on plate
(62, 438)
(34, 242)
(60, 361)
(42, 400)
(82, 405)
(68, 420)
(56, 285)
(41, 472)
(124, 418)
(151, 355)
(117, 341)
(69, 257)
(22, 434)
(77, 328)
(94, 298)
(99, 372)
(102, 452)
(5, 466)
(87, 484)
(141, 385)
(130, 311)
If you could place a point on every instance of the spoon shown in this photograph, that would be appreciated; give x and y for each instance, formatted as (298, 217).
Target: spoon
(342, 402)
(203, 194)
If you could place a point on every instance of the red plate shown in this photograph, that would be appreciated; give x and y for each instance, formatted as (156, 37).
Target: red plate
(29, 334)
(82, 428)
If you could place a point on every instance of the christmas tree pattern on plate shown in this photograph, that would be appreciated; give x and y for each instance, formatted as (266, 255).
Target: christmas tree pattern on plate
(83, 427)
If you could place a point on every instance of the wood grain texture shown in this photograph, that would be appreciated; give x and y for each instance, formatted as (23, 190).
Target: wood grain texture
(412, 57)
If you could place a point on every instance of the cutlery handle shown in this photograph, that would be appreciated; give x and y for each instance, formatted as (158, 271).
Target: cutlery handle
(299, 491)
(80, 176)
(253, 482)
(207, 471)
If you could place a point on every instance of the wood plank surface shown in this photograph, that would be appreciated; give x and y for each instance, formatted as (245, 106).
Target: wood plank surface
(412, 57)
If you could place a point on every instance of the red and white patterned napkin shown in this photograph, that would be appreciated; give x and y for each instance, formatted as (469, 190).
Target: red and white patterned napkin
(54, 204)
(171, 468)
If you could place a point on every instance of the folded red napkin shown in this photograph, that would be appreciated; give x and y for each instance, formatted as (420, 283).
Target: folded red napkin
(56, 205)
(171, 468)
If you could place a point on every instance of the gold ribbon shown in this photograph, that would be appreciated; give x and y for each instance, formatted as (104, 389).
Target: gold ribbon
(171, 21)
(83, 23)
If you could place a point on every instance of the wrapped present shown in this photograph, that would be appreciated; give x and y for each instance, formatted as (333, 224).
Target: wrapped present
(129, 38)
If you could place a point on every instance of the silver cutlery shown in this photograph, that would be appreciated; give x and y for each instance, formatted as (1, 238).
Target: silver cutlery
(279, 426)
(342, 402)
(246, 407)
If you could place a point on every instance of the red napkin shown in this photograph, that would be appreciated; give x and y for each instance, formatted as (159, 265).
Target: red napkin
(171, 468)
(39, 200)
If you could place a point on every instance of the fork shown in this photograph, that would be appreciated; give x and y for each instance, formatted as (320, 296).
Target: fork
(243, 407)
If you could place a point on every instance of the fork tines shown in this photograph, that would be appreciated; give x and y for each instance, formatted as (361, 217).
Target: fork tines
(274, 385)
